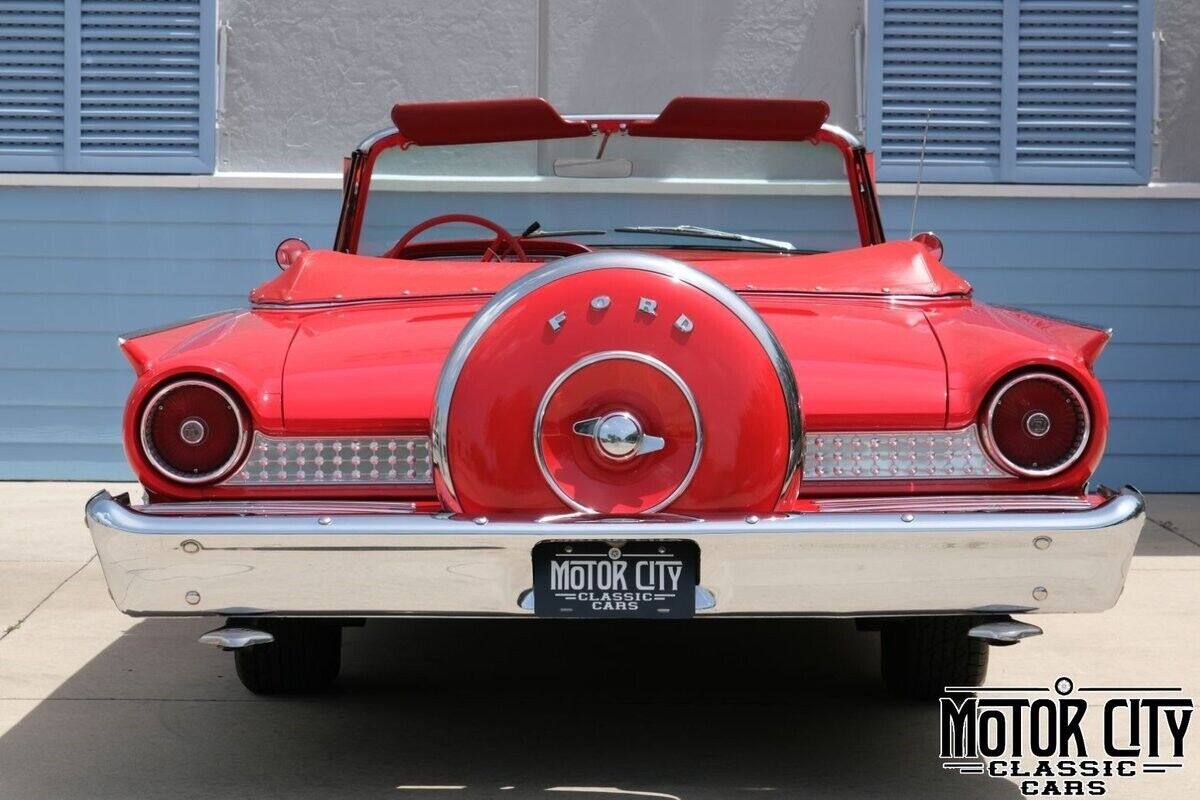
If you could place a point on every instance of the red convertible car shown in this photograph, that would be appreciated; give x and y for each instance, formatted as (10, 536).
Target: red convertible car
(623, 420)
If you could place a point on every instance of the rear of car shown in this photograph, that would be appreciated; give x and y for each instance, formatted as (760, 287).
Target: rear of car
(715, 424)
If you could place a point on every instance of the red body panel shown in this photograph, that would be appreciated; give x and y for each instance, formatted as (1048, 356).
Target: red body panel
(898, 378)
(243, 350)
(983, 344)
(372, 368)
(398, 349)
(862, 363)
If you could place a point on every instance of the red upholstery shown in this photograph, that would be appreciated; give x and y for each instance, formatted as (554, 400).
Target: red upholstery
(742, 118)
(514, 119)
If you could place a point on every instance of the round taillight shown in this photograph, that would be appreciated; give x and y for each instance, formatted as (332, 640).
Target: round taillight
(193, 431)
(1036, 425)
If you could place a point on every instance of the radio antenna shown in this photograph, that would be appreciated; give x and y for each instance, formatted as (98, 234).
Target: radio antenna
(912, 223)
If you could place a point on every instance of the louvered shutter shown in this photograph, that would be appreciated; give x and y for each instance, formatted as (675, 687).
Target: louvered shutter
(941, 62)
(31, 84)
(136, 87)
(1080, 100)
(1029, 91)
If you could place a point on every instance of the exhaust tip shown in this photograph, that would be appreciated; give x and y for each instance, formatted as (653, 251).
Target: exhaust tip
(1004, 632)
(236, 638)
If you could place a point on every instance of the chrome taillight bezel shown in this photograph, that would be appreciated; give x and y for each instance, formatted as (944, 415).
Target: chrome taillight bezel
(989, 441)
(240, 450)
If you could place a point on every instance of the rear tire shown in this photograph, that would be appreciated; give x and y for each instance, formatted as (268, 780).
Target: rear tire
(305, 657)
(920, 656)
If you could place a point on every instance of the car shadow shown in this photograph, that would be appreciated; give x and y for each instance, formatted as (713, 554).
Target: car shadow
(494, 709)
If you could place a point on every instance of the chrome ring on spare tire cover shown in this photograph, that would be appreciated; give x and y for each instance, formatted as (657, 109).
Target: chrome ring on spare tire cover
(610, 355)
(587, 262)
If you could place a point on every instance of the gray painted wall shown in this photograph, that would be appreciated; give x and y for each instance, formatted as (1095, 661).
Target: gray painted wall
(306, 81)
(1179, 90)
(83, 265)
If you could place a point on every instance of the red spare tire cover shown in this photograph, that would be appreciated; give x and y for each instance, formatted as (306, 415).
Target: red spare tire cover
(616, 383)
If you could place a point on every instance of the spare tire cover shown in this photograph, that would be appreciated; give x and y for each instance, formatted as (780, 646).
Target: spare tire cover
(615, 383)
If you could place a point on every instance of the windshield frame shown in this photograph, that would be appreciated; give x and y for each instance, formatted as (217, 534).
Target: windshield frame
(360, 165)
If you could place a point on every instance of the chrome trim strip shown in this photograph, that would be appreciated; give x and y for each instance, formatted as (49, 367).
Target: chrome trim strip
(890, 299)
(276, 508)
(240, 450)
(610, 355)
(606, 117)
(993, 450)
(849, 138)
(587, 262)
(957, 503)
(820, 563)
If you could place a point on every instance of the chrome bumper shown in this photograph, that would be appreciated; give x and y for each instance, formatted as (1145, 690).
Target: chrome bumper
(394, 562)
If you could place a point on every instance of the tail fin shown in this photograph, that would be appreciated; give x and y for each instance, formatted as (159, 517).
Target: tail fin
(142, 348)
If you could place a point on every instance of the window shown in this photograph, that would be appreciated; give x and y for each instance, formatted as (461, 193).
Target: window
(108, 86)
(1017, 91)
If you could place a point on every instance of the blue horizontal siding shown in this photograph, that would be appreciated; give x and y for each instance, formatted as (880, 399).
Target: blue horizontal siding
(81, 266)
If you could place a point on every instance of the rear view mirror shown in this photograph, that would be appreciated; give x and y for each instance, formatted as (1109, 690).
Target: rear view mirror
(593, 167)
(289, 250)
(932, 242)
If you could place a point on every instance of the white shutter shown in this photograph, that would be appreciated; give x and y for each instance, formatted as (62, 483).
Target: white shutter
(1038, 91)
(32, 85)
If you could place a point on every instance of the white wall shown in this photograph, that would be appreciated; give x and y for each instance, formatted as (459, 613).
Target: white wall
(306, 81)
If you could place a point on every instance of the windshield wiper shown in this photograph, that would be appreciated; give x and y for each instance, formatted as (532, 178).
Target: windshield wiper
(707, 233)
(535, 231)
(558, 234)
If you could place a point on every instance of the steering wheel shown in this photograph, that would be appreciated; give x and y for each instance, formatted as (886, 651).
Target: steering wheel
(503, 242)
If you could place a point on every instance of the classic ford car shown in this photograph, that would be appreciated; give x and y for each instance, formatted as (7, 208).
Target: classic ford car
(624, 420)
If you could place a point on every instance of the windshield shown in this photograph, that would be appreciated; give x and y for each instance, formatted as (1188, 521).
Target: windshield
(755, 195)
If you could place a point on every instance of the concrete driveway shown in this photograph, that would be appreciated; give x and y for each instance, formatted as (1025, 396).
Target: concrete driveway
(94, 704)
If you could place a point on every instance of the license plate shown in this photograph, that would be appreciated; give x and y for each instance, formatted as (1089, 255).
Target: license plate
(646, 580)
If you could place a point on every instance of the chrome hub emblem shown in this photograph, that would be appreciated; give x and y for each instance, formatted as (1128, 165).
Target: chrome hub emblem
(1037, 424)
(619, 435)
(192, 430)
